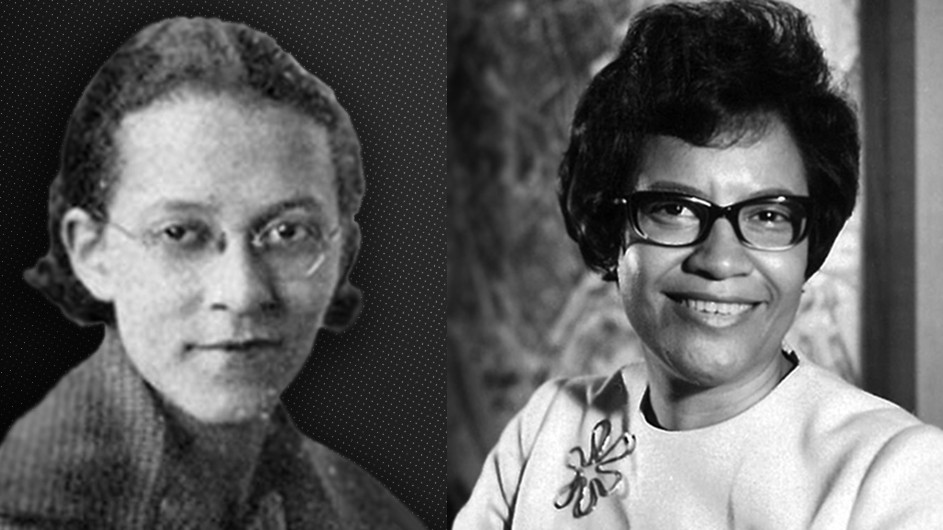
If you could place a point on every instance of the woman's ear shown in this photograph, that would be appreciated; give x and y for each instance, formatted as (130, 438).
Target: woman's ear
(83, 238)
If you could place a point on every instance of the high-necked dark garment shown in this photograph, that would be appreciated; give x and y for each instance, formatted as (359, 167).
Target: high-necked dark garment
(100, 452)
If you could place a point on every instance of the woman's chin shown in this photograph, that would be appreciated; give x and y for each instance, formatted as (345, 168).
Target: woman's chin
(704, 367)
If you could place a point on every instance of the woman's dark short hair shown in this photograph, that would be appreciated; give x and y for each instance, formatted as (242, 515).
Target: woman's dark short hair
(166, 58)
(711, 74)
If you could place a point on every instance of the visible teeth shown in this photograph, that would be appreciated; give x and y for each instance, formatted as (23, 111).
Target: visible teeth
(720, 308)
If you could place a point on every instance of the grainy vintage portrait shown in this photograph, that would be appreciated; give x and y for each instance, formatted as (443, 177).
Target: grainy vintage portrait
(203, 216)
(686, 187)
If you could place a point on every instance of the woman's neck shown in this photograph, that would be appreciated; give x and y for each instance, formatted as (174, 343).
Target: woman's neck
(678, 405)
(222, 453)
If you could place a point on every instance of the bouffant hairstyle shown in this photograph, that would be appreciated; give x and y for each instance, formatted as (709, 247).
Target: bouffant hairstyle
(164, 59)
(712, 74)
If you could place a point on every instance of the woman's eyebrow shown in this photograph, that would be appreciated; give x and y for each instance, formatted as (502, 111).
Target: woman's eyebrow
(775, 190)
(309, 204)
(180, 206)
(677, 187)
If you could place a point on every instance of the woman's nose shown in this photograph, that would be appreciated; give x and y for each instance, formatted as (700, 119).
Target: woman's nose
(238, 281)
(721, 255)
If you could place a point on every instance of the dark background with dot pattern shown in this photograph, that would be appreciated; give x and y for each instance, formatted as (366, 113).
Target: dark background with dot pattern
(375, 393)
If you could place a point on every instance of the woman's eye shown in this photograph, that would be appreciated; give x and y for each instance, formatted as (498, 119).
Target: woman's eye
(670, 209)
(286, 232)
(183, 235)
(176, 233)
(673, 209)
(772, 217)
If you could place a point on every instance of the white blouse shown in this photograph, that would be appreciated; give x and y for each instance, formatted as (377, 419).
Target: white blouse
(814, 453)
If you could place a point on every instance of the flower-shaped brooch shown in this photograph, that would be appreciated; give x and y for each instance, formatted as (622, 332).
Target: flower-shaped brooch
(592, 480)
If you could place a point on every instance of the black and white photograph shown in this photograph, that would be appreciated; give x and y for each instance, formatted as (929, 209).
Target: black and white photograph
(693, 271)
(225, 276)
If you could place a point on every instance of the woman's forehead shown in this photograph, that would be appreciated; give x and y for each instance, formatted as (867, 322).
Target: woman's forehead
(765, 164)
(220, 153)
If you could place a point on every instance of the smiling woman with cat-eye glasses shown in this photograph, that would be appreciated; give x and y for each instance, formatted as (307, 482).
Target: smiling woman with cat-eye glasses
(711, 166)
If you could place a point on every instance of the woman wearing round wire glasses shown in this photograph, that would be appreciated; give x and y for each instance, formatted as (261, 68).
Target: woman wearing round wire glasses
(204, 211)
(710, 168)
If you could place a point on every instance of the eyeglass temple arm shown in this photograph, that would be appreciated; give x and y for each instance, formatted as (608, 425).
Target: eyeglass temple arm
(317, 263)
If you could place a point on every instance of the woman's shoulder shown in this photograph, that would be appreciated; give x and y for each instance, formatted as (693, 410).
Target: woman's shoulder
(91, 423)
(903, 483)
(831, 412)
(837, 404)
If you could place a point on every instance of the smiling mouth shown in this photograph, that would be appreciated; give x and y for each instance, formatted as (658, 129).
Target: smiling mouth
(715, 308)
(712, 307)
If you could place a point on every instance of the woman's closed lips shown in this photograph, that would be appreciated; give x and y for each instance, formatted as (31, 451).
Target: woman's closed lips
(239, 345)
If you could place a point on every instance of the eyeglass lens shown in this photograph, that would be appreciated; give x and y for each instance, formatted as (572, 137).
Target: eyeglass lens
(768, 223)
(291, 248)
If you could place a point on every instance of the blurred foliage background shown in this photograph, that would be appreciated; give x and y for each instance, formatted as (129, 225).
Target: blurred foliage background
(522, 307)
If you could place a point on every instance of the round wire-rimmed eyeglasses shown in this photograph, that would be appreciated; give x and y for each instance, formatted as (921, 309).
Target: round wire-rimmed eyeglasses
(672, 219)
(293, 250)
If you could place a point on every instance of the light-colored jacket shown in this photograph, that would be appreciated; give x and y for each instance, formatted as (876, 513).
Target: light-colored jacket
(814, 453)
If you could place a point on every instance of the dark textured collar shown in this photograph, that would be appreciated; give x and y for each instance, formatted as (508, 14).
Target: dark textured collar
(98, 452)
(98, 448)
(95, 436)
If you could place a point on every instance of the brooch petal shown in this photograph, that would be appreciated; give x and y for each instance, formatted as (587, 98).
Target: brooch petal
(591, 480)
